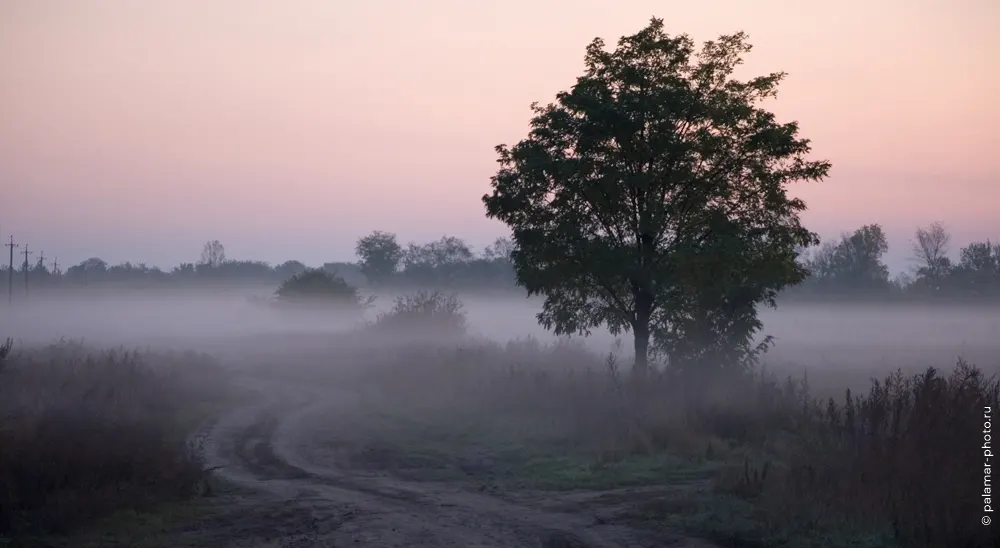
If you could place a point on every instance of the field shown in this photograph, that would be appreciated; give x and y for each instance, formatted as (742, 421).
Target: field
(311, 431)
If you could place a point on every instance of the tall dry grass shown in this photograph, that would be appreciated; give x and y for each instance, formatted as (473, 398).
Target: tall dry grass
(903, 458)
(86, 432)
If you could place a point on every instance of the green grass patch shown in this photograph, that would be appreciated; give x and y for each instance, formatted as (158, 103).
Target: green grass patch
(740, 523)
(503, 452)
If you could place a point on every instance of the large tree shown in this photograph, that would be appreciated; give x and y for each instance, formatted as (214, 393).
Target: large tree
(651, 197)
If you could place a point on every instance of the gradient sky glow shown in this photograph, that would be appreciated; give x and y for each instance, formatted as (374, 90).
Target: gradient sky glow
(138, 129)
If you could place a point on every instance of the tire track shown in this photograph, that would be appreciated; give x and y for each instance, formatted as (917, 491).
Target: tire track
(257, 446)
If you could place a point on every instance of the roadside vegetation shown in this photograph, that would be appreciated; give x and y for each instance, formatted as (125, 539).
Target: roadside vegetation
(755, 459)
(87, 433)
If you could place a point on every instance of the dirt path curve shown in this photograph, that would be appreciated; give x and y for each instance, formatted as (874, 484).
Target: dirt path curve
(261, 447)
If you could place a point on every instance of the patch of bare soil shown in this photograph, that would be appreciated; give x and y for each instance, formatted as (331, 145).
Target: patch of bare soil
(290, 501)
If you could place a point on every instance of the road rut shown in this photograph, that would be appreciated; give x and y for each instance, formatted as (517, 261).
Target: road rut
(260, 446)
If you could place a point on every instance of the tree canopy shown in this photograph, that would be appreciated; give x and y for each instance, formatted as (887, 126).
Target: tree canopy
(651, 197)
(319, 286)
(380, 255)
(853, 264)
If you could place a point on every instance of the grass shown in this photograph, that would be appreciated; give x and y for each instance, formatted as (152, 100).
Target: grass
(92, 443)
(87, 434)
(896, 465)
(784, 469)
(494, 453)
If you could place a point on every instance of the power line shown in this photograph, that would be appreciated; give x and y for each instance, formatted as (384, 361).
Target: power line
(10, 270)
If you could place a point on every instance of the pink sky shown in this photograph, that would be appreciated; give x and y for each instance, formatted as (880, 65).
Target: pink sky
(136, 130)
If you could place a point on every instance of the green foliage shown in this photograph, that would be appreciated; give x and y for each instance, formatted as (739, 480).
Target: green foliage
(317, 285)
(380, 255)
(651, 197)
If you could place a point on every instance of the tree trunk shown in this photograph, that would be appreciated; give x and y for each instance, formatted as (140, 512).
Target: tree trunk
(641, 367)
(643, 311)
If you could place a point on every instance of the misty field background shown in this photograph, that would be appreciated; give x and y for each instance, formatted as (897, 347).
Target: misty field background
(813, 335)
(736, 440)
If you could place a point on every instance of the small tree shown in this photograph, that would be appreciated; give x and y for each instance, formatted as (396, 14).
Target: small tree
(978, 270)
(651, 196)
(380, 255)
(213, 254)
(318, 286)
(90, 270)
(856, 262)
(930, 251)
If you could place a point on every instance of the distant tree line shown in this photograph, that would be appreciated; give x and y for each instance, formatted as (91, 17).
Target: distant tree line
(851, 266)
(448, 262)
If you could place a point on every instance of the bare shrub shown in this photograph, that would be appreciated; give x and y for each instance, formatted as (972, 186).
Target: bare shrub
(423, 314)
(84, 433)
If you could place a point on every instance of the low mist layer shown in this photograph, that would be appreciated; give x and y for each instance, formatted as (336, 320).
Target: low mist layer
(814, 333)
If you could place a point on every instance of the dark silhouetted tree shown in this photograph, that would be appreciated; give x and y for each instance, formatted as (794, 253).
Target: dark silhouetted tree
(978, 270)
(90, 270)
(380, 255)
(317, 286)
(288, 269)
(930, 252)
(436, 262)
(853, 264)
(651, 197)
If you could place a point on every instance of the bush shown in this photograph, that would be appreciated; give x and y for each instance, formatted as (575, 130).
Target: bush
(424, 314)
(84, 434)
(317, 286)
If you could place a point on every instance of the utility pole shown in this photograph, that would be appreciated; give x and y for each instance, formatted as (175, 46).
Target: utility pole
(10, 270)
(41, 260)
(55, 266)
(26, 253)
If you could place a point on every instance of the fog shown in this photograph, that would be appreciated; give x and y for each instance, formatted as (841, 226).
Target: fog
(203, 319)
(364, 420)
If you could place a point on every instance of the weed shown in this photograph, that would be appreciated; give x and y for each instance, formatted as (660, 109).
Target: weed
(85, 433)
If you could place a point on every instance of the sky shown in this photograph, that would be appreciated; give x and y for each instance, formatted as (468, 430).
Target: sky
(137, 130)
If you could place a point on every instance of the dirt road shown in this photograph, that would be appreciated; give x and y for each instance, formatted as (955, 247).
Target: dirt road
(286, 500)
